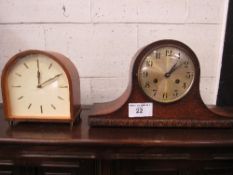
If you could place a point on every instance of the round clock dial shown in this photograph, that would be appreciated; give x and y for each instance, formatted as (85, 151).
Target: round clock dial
(166, 73)
(38, 86)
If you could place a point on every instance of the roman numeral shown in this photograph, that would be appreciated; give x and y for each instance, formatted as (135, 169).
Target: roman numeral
(149, 63)
(145, 74)
(168, 52)
(155, 91)
(164, 95)
(147, 85)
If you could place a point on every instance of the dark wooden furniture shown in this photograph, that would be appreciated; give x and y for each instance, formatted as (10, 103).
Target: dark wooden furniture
(54, 149)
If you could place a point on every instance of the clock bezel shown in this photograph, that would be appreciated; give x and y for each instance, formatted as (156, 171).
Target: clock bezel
(176, 45)
(71, 74)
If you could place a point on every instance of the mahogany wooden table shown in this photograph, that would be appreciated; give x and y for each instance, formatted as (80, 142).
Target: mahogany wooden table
(54, 149)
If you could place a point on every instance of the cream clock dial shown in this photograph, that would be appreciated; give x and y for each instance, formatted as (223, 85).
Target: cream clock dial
(40, 86)
(166, 74)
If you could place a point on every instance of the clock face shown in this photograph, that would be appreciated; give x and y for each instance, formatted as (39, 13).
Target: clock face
(166, 73)
(38, 88)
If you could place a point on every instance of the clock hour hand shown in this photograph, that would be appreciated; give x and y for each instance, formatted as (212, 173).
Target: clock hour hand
(50, 80)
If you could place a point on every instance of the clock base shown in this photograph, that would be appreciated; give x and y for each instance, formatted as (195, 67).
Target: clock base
(72, 121)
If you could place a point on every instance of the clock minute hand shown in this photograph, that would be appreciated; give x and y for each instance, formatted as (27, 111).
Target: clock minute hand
(174, 67)
(38, 72)
(48, 81)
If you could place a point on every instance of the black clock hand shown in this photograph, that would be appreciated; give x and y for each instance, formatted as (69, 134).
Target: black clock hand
(48, 81)
(38, 73)
(173, 68)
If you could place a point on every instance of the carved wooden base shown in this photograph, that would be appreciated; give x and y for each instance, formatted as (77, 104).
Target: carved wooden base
(120, 122)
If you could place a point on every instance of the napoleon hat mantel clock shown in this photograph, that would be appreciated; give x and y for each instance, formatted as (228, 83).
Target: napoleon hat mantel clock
(163, 92)
(40, 86)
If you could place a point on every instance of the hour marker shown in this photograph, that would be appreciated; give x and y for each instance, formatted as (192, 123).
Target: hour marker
(26, 65)
(168, 52)
(63, 86)
(19, 75)
(50, 65)
(29, 106)
(189, 75)
(147, 85)
(175, 93)
(53, 106)
(41, 109)
(164, 95)
(155, 91)
(20, 97)
(59, 97)
(149, 63)
(186, 63)
(145, 74)
(178, 55)
(16, 86)
(184, 85)
(157, 54)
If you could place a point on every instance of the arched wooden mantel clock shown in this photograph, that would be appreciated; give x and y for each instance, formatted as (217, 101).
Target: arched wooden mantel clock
(163, 92)
(40, 86)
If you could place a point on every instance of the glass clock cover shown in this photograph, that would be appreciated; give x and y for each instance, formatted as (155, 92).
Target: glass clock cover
(166, 74)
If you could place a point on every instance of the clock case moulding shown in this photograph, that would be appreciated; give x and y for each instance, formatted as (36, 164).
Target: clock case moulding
(189, 111)
(73, 80)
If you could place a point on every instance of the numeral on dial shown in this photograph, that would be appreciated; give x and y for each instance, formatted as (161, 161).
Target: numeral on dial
(149, 63)
(184, 85)
(165, 95)
(147, 85)
(175, 94)
(145, 74)
(186, 64)
(157, 55)
(155, 92)
(189, 75)
(168, 52)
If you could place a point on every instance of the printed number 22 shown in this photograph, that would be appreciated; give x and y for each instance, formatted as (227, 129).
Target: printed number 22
(139, 110)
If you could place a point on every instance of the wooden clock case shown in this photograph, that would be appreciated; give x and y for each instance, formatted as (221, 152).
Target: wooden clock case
(190, 111)
(73, 80)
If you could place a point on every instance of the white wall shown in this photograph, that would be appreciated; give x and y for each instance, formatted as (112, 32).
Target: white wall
(101, 36)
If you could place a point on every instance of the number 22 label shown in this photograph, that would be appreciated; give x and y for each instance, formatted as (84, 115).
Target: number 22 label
(140, 110)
